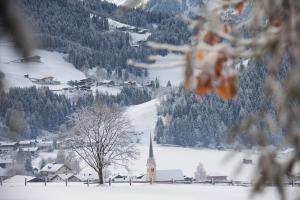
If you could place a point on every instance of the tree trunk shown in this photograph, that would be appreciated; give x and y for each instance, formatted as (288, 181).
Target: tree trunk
(100, 176)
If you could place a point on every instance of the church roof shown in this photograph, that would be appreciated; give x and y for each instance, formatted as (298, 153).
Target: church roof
(169, 175)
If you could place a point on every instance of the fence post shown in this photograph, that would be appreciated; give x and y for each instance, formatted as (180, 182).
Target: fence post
(88, 182)
(45, 181)
(109, 182)
(25, 182)
(66, 182)
(130, 181)
(0, 181)
(172, 181)
(151, 180)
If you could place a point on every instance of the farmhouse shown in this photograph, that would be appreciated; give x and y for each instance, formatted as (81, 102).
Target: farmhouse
(30, 150)
(83, 177)
(6, 163)
(216, 177)
(31, 59)
(53, 169)
(27, 143)
(61, 177)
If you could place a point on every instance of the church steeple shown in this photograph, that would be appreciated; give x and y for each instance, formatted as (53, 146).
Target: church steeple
(151, 155)
(151, 165)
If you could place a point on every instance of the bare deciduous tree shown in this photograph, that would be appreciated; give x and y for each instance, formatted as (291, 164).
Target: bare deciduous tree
(102, 136)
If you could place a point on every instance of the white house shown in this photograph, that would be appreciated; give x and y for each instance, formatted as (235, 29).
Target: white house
(53, 169)
(61, 177)
(83, 177)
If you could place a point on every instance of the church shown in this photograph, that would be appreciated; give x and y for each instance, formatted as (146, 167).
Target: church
(154, 175)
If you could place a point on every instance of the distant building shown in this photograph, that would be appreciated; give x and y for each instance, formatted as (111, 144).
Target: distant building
(27, 143)
(216, 177)
(31, 59)
(247, 161)
(83, 177)
(6, 163)
(61, 177)
(30, 150)
(154, 175)
(45, 145)
(6, 147)
(53, 169)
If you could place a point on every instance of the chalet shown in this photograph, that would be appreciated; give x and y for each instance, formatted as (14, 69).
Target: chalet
(45, 145)
(32, 151)
(6, 163)
(53, 169)
(247, 161)
(129, 83)
(83, 177)
(27, 143)
(106, 82)
(8, 146)
(31, 59)
(61, 177)
(216, 177)
(46, 81)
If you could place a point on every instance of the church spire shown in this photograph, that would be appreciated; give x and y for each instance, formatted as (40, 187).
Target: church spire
(151, 155)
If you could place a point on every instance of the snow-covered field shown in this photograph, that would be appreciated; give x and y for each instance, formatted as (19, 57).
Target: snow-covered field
(78, 191)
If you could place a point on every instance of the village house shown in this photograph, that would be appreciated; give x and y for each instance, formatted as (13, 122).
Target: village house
(6, 163)
(216, 177)
(106, 82)
(6, 147)
(61, 177)
(32, 151)
(83, 177)
(53, 169)
(31, 59)
(45, 145)
(27, 143)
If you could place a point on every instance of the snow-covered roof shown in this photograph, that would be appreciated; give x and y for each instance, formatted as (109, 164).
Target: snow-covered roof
(30, 149)
(6, 160)
(85, 177)
(63, 176)
(106, 81)
(8, 143)
(52, 167)
(25, 142)
(168, 175)
(45, 144)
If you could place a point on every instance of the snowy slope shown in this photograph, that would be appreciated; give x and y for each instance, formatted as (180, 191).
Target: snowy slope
(144, 117)
(53, 64)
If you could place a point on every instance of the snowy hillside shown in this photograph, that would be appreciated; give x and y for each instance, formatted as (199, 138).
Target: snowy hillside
(137, 35)
(52, 64)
